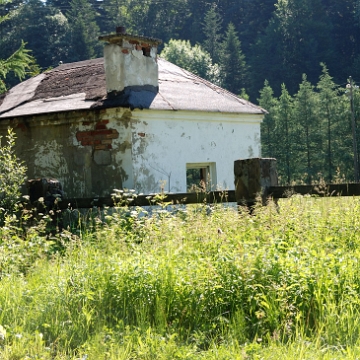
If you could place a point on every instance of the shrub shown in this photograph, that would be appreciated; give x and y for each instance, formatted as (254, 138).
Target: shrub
(12, 176)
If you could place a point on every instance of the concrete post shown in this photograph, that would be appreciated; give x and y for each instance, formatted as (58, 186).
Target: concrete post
(253, 177)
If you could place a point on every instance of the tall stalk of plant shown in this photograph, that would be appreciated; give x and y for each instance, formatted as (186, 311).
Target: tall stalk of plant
(12, 176)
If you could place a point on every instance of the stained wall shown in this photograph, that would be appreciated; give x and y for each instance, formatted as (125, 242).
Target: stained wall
(93, 152)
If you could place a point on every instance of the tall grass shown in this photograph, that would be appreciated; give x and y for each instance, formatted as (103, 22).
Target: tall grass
(199, 283)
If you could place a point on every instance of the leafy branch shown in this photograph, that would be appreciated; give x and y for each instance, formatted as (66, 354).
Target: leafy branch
(20, 62)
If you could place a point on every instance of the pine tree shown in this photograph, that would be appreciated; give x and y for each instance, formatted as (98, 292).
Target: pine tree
(330, 114)
(268, 136)
(306, 116)
(285, 130)
(212, 31)
(232, 62)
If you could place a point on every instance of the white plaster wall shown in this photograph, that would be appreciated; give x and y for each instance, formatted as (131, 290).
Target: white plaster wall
(140, 69)
(164, 142)
(149, 155)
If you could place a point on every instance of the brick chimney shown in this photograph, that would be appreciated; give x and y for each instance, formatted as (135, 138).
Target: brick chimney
(130, 61)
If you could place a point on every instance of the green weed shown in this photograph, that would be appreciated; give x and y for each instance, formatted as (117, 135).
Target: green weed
(280, 283)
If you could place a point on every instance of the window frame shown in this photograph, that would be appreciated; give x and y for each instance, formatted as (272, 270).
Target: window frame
(210, 176)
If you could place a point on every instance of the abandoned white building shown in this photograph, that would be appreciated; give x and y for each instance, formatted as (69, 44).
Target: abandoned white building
(129, 120)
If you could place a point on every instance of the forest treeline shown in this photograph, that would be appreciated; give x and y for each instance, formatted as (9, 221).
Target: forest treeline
(311, 133)
(269, 51)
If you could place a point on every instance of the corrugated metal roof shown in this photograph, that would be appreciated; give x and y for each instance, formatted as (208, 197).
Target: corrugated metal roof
(81, 85)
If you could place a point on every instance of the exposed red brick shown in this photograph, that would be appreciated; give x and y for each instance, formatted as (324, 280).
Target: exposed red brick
(87, 139)
(99, 136)
(82, 134)
(111, 136)
(133, 42)
(101, 132)
(100, 147)
(100, 126)
(106, 141)
(145, 45)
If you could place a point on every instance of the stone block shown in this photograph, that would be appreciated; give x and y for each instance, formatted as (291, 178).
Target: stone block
(253, 177)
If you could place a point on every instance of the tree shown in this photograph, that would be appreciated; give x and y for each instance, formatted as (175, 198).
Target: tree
(193, 21)
(232, 62)
(268, 136)
(305, 111)
(191, 58)
(296, 40)
(58, 39)
(84, 31)
(345, 36)
(147, 17)
(212, 31)
(20, 62)
(330, 113)
(285, 129)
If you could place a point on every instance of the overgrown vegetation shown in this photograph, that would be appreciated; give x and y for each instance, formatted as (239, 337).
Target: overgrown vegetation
(20, 62)
(203, 282)
(310, 134)
(12, 177)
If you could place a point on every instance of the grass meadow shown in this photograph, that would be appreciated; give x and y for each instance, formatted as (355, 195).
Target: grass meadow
(205, 282)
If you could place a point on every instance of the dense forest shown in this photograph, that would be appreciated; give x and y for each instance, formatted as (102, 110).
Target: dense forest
(293, 57)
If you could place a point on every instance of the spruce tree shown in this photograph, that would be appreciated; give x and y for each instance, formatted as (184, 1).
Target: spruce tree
(268, 136)
(212, 31)
(330, 114)
(285, 130)
(232, 62)
(306, 105)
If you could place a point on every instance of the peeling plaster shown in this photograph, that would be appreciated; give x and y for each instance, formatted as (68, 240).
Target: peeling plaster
(150, 153)
(48, 161)
(125, 119)
(126, 145)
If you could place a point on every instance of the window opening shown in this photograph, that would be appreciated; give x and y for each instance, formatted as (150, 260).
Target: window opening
(146, 51)
(200, 177)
